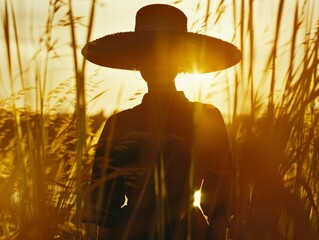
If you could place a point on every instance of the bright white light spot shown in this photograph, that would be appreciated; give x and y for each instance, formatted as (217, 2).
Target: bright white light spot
(125, 202)
(197, 200)
(197, 197)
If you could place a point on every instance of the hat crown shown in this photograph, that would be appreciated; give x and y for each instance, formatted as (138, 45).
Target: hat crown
(160, 17)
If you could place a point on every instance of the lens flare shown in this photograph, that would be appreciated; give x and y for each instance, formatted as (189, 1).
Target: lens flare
(197, 201)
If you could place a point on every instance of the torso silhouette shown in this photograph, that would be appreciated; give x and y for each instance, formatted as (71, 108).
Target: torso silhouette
(156, 155)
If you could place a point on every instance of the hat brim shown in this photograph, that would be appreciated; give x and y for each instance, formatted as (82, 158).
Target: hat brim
(131, 50)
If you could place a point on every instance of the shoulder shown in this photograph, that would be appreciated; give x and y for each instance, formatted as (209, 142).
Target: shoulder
(208, 117)
(206, 109)
(119, 122)
(126, 114)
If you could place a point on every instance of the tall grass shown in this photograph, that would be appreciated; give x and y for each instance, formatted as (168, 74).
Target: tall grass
(45, 157)
(275, 145)
(46, 153)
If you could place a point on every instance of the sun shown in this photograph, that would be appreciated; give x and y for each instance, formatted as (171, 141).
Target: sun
(196, 86)
(211, 88)
(191, 84)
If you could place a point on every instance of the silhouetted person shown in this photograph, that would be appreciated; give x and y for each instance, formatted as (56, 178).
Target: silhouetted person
(152, 158)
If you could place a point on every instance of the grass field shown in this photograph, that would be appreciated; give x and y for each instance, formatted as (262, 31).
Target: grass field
(46, 152)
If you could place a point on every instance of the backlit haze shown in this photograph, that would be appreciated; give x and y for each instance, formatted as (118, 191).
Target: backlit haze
(116, 89)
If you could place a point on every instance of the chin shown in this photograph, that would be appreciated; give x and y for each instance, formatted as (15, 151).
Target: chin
(164, 75)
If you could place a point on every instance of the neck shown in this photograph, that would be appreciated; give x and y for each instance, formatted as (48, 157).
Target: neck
(163, 87)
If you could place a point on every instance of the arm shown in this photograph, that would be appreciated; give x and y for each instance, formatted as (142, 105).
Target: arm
(214, 166)
(102, 195)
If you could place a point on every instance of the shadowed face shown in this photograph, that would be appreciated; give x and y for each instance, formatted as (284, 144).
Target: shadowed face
(159, 70)
(159, 73)
(162, 66)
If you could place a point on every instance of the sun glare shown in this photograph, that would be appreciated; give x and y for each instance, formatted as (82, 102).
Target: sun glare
(195, 85)
(197, 195)
(197, 201)
(211, 88)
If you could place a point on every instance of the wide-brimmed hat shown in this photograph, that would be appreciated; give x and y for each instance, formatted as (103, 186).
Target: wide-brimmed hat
(161, 30)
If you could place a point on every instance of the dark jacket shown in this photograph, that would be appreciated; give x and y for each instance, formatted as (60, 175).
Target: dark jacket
(153, 158)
